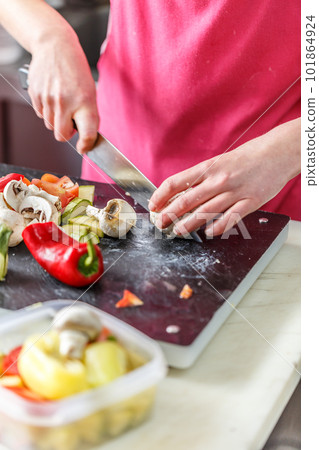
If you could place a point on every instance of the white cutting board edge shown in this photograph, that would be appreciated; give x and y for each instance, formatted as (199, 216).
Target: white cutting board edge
(184, 356)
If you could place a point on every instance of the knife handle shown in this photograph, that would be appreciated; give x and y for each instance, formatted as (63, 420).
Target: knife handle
(23, 75)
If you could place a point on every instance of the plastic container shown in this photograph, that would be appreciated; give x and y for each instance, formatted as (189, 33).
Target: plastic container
(87, 419)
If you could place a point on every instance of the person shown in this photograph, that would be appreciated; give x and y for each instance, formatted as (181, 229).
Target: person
(202, 96)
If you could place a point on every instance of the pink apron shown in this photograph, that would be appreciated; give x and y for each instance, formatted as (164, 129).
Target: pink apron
(181, 81)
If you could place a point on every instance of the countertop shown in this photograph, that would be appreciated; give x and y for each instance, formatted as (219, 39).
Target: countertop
(236, 391)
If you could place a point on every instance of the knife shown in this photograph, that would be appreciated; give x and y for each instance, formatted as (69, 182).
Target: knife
(112, 162)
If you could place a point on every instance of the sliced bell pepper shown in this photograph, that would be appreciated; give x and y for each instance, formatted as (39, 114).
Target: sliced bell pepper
(11, 176)
(10, 362)
(104, 362)
(46, 372)
(26, 393)
(128, 300)
(74, 263)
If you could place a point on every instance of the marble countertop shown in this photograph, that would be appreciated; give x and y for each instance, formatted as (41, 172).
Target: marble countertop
(236, 391)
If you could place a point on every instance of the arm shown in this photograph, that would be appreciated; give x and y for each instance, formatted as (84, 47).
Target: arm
(234, 183)
(61, 86)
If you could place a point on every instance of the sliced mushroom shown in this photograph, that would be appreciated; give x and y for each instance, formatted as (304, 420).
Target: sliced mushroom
(3, 204)
(39, 208)
(14, 193)
(15, 221)
(116, 219)
(34, 190)
(77, 326)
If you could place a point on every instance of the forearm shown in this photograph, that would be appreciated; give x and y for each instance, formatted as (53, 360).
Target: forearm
(34, 23)
(285, 139)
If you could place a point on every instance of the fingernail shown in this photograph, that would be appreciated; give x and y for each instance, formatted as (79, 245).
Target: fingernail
(151, 206)
(177, 231)
(209, 231)
(159, 223)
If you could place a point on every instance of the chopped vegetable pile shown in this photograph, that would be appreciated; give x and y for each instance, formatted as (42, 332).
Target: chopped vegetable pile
(77, 354)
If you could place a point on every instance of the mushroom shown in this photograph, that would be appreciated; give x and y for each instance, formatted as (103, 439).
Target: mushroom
(169, 230)
(3, 204)
(116, 219)
(34, 190)
(33, 207)
(77, 326)
(14, 192)
(16, 222)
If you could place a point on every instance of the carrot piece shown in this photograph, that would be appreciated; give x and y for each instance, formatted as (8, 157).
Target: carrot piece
(186, 292)
(105, 333)
(50, 178)
(26, 181)
(128, 300)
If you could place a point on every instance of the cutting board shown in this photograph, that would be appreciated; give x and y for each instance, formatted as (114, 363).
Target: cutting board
(220, 271)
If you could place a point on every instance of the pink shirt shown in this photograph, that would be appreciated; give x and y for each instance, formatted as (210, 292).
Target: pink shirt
(182, 81)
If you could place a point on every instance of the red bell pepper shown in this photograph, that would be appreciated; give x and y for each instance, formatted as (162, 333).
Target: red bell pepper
(11, 176)
(10, 362)
(74, 263)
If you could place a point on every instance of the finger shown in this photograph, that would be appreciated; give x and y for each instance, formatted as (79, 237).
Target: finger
(87, 122)
(175, 184)
(205, 213)
(230, 218)
(63, 125)
(186, 202)
(48, 116)
(36, 104)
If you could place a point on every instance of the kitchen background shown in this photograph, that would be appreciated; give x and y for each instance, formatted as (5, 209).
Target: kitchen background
(20, 129)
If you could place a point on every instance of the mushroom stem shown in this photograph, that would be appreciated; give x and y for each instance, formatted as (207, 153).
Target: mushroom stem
(116, 219)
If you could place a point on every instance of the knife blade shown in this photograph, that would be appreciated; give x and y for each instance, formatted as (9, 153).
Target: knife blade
(118, 167)
(108, 158)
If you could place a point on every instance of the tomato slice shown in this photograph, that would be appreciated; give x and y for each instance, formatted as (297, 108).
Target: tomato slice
(27, 394)
(37, 182)
(10, 362)
(63, 187)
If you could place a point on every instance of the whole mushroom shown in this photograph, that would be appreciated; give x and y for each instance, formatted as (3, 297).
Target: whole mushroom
(14, 221)
(77, 326)
(169, 230)
(116, 219)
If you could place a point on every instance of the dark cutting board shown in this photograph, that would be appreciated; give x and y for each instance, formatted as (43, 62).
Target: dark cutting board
(156, 270)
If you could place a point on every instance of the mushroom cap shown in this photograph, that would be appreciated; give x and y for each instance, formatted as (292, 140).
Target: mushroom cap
(79, 319)
(118, 218)
(37, 207)
(3, 204)
(169, 230)
(15, 221)
(34, 190)
(14, 193)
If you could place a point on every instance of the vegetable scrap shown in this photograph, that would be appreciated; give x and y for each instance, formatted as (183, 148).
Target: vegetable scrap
(186, 292)
(129, 300)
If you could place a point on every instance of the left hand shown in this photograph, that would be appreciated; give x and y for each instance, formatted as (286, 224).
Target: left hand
(232, 185)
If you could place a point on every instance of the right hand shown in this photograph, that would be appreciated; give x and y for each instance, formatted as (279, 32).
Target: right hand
(61, 88)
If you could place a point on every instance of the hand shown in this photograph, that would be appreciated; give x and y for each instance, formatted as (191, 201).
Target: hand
(230, 185)
(61, 88)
